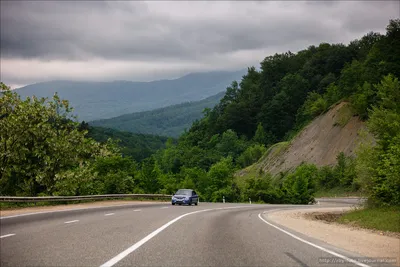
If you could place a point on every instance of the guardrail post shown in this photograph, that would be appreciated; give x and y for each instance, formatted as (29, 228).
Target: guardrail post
(223, 199)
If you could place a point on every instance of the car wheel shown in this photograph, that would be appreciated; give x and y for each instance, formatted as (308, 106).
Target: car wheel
(196, 203)
(173, 203)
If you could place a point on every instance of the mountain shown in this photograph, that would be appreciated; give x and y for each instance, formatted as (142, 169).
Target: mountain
(102, 100)
(168, 121)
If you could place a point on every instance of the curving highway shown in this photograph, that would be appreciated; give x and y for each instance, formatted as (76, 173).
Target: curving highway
(211, 234)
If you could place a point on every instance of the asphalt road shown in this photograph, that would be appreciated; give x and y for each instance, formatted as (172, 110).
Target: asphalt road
(162, 235)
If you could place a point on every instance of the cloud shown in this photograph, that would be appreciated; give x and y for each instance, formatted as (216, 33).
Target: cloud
(97, 40)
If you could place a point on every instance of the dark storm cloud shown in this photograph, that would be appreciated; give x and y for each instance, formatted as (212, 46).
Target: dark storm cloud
(183, 35)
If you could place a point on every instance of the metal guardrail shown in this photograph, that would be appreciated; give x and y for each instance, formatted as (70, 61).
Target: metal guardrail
(78, 198)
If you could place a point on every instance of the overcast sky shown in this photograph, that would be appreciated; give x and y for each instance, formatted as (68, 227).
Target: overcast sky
(141, 41)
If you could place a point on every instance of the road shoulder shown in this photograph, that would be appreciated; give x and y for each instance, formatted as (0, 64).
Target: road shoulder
(361, 241)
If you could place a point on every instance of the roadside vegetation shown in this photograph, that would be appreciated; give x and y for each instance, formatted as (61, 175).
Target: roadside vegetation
(382, 218)
(45, 152)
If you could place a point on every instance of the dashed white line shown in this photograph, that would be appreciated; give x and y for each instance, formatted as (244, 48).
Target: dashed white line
(109, 214)
(164, 208)
(72, 221)
(3, 236)
(314, 245)
(136, 210)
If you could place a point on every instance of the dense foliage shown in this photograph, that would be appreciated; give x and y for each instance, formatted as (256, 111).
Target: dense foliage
(265, 107)
(136, 146)
(168, 121)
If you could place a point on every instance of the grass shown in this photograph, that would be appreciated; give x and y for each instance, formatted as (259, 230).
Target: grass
(337, 192)
(383, 219)
(343, 116)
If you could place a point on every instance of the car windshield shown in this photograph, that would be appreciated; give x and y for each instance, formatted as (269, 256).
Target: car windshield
(183, 192)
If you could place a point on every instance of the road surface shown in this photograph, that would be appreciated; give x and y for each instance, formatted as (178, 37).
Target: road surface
(210, 234)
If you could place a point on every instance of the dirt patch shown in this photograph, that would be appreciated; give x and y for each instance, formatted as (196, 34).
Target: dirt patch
(365, 242)
(318, 143)
(17, 211)
(332, 218)
(329, 217)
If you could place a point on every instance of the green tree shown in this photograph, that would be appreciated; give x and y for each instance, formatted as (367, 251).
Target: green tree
(39, 140)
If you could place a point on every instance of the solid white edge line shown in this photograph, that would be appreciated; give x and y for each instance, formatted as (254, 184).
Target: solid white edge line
(109, 214)
(137, 210)
(72, 221)
(3, 236)
(138, 244)
(314, 245)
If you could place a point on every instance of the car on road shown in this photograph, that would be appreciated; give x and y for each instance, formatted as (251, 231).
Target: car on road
(185, 196)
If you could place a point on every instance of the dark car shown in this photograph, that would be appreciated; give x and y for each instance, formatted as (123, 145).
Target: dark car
(185, 196)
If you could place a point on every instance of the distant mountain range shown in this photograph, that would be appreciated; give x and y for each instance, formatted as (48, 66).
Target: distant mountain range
(167, 121)
(103, 100)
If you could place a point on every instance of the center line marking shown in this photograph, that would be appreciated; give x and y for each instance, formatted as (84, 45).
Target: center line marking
(108, 214)
(3, 236)
(136, 210)
(72, 221)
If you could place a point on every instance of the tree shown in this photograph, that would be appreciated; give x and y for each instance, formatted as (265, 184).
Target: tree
(38, 140)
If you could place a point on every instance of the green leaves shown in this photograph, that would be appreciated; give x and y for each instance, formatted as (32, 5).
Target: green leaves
(39, 141)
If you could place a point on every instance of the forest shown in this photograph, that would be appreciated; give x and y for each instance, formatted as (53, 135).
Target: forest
(44, 151)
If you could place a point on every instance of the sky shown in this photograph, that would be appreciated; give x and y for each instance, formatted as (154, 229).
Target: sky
(143, 41)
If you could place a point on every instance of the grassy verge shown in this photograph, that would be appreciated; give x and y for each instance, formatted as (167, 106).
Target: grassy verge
(383, 219)
(17, 205)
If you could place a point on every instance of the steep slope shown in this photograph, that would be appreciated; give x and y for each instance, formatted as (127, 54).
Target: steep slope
(319, 143)
(102, 100)
(168, 121)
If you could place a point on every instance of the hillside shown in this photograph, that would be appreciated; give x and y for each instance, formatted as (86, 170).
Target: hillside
(137, 146)
(102, 100)
(318, 143)
(168, 121)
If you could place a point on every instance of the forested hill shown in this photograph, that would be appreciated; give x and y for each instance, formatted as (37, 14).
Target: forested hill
(103, 100)
(273, 104)
(168, 121)
(136, 146)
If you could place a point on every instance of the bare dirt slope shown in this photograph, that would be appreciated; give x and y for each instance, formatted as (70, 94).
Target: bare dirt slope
(319, 143)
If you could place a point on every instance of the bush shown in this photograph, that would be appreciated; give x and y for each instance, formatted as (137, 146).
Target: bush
(251, 155)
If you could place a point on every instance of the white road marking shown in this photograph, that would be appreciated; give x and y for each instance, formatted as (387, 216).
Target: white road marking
(314, 245)
(53, 211)
(108, 214)
(72, 221)
(164, 208)
(136, 210)
(135, 246)
(3, 236)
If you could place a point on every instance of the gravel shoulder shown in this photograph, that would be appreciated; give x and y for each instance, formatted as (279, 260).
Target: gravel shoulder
(362, 241)
(109, 203)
